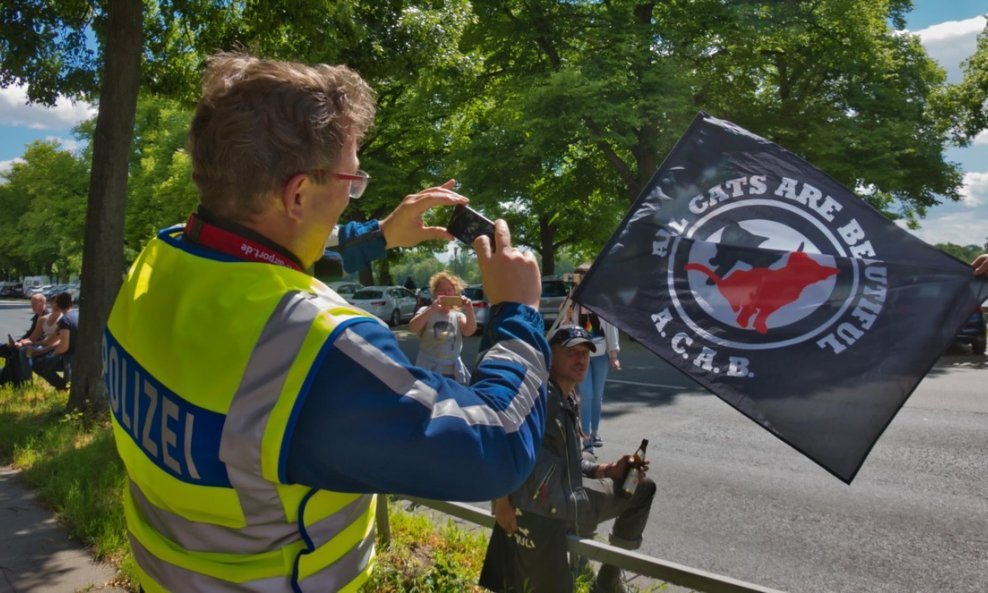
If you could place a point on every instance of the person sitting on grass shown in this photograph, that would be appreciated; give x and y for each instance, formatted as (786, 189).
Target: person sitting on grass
(17, 368)
(56, 356)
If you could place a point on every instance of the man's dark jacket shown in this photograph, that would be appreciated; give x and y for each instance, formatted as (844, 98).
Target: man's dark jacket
(554, 489)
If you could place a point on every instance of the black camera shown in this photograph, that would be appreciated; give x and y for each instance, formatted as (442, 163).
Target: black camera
(466, 224)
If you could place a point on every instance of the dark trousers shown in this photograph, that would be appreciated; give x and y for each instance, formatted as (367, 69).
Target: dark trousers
(17, 366)
(630, 512)
(533, 559)
(47, 367)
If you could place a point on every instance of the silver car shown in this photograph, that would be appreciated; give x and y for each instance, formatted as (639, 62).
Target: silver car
(481, 308)
(554, 293)
(391, 303)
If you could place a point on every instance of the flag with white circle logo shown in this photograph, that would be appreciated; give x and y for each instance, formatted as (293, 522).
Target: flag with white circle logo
(779, 290)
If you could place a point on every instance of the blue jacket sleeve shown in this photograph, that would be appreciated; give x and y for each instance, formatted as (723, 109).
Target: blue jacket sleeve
(360, 243)
(373, 422)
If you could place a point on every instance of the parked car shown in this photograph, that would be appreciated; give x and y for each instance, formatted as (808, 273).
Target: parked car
(554, 293)
(423, 297)
(391, 303)
(481, 308)
(346, 289)
(10, 290)
(973, 331)
(55, 289)
(74, 289)
(13, 291)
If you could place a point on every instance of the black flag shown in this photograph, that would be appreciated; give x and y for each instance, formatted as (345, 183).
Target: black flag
(780, 291)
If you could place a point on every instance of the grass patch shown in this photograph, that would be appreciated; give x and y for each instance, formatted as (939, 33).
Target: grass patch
(426, 557)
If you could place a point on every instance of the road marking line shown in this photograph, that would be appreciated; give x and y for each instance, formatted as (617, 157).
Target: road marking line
(648, 384)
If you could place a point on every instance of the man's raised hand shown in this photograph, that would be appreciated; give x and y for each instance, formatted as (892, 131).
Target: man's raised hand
(509, 275)
(404, 226)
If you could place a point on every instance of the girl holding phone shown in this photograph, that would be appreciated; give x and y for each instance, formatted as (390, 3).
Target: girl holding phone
(442, 326)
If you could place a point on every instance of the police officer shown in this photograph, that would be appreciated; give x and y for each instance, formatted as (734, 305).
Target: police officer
(256, 411)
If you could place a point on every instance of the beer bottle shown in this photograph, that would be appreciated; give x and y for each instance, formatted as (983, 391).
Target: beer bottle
(634, 471)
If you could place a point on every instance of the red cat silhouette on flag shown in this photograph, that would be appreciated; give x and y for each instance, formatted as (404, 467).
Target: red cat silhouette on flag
(765, 290)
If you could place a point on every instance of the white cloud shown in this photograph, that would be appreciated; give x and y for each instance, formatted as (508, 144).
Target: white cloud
(16, 111)
(981, 139)
(69, 144)
(952, 42)
(950, 29)
(974, 192)
(959, 228)
(6, 165)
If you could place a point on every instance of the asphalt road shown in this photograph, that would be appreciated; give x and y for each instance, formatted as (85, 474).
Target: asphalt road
(736, 501)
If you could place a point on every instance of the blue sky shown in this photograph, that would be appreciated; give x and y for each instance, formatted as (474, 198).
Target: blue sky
(947, 28)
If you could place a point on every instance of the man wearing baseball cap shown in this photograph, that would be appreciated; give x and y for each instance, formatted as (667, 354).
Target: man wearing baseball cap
(564, 493)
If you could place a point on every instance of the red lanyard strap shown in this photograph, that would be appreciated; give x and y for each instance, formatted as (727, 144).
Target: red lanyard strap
(230, 243)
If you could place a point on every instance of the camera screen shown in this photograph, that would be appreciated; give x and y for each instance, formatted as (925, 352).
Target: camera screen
(467, 224)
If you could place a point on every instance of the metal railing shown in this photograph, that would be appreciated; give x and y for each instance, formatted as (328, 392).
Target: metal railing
(670, 572)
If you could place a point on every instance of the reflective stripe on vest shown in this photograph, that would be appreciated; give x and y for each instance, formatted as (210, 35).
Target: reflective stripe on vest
(399, 380)
(166, 578)
(251, 539)
(206, 363)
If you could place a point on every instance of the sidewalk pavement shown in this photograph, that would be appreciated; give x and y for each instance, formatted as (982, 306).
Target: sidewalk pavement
(36, 553)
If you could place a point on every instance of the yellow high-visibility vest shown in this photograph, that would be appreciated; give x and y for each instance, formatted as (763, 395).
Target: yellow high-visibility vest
(207, 363)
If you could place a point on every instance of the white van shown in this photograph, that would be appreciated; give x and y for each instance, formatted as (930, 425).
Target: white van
(34, 284)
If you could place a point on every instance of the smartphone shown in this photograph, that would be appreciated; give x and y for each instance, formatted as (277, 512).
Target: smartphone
(451, 301)
(466, 224)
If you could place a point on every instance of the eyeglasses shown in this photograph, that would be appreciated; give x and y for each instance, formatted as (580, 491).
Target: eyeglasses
(358, 181)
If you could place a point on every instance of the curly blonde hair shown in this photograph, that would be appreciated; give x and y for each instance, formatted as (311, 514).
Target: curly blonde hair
(455, 281)
(261, 121)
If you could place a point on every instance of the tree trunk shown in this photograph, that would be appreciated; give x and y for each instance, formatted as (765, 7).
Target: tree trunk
(366, 276)
(547, 234)
(102, 254)
(384, 272)
(646, 158)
